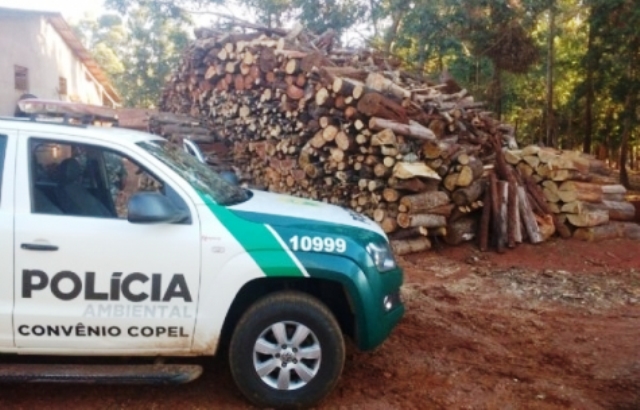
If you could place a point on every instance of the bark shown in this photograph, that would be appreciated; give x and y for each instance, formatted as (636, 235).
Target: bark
(588, 113)
(630, 108)
(550, 134)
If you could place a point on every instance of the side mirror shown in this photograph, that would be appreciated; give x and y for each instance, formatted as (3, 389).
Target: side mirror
(230, 177)
(153, 208)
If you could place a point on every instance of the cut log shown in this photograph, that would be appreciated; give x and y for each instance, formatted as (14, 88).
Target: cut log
(513, 157)
(496, 217)
(435, 149)
(513, 221)
(599, 233)
(546, 226)
(450, 182)
(444, 210)
(389, 225)
(567, 196)
(384, 137)
(503, 192)
(613, 197)
(294, 92)
(376, 105)
(343, 86)
(462, 230)
(470, 172)
(631, 230)
(414, 184)
(547, 154)
(551, 195)
(421, 203)
(413, 129)
(524, 169)
(620, 211)
(534, 190)
(528, 217)
(405, 247)
(589, 218)
(485, 221)
(574, 207)
(465, 196)
(530, 150)
(427, 220)
(378, 82)
(406, 170)
(583, 191)
(613, 189)
(409, 233)
(391, 195)
(532, 160)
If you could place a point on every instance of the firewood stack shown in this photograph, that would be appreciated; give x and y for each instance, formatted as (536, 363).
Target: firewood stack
(175, 128)
(579, 190)
(342, 126)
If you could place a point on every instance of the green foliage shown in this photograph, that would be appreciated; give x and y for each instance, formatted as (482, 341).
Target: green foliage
(175, 10)
(138, 51)
(272, 13)
(106, 37)
(316, 15)
(153, 51)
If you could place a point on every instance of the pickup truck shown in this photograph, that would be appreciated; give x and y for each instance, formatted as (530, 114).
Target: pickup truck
(117, 243)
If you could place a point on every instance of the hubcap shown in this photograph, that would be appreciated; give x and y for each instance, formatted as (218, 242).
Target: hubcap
(287, 355)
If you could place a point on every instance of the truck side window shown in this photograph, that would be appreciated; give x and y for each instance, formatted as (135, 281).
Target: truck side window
(3, 147)
(85, 180)
(125, 178)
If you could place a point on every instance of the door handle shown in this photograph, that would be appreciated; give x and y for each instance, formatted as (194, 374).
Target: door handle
(38, 247)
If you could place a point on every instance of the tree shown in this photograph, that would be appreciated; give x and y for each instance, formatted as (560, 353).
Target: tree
(153, 51)
(106, 37)
(615, 41)
(138, 51)
(160, 9)
(272, 13)
(316, 15)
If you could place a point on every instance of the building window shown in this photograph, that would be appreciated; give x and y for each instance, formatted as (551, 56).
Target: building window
(21, 78)
(62, 86)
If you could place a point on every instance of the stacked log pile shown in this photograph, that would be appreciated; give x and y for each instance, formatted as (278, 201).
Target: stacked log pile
(341, 126)
(579, 190)
(346, 127)
(175, 128)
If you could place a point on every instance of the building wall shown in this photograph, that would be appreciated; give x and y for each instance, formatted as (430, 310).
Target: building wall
(30, 41)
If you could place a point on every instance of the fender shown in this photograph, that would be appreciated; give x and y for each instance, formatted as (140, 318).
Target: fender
(363, 289)
(237, 272)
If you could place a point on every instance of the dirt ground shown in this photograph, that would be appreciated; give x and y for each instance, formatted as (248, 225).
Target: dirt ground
(552, 326)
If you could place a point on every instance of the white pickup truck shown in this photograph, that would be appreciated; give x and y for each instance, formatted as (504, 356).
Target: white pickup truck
(117, 243)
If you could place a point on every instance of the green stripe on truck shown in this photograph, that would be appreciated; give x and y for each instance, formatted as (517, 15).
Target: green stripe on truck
(258, 241)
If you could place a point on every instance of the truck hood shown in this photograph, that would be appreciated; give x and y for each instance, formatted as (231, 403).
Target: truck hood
(285, 210)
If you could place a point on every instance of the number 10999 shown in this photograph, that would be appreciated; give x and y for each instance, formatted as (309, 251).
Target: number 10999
(317, 244)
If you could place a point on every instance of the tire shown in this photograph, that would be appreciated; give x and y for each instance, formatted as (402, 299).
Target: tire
(312, 359)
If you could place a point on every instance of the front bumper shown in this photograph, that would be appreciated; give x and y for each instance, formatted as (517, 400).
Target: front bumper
(367, 290)
(381, 311)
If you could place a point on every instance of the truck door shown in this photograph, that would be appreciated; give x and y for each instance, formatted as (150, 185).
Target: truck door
(85, 277)
(7, 145)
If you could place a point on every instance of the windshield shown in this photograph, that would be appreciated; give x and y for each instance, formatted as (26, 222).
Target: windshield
(202, 178)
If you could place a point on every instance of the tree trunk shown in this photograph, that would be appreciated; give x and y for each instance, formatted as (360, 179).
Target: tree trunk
(624, 144)
(497, 91)
(550, 134)
(588, 114)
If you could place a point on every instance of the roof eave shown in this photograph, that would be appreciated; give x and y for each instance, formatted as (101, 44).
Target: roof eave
(66, 32)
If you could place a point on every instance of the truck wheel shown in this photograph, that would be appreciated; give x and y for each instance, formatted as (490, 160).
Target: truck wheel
(287, 351)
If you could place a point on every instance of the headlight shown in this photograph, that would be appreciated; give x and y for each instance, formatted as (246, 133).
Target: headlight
(382, 256)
